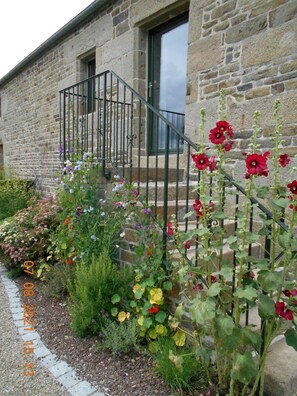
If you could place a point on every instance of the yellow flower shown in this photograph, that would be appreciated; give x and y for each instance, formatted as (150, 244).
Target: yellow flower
(179, 338)
(156, 296)
(140, 320)
(122, 316)
(161, 330)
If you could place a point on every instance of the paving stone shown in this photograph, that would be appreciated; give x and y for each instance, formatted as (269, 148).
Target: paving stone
(41, 351)
(18, 316)
(69, 379)
(83, 388)
(19, 323)
(60, 369)
(50, 360)
(17, 311)
(30, 336)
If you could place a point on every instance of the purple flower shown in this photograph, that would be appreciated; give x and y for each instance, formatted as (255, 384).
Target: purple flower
(138, 226)
(79, 211)
(147, 211)
(61, 149)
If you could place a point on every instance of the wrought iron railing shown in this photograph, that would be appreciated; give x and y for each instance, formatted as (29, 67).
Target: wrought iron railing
(106, 117)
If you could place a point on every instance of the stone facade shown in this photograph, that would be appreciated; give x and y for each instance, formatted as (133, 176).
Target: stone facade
(246, 47)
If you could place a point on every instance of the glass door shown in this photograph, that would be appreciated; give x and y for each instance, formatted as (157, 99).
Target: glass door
(168, 46)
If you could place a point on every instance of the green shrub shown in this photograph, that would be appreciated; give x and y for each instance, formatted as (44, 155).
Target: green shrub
(91, 292)
(14, 195)
(55, 279)
(179, 366)
(25, 236)
(15, 272)
(120, 337)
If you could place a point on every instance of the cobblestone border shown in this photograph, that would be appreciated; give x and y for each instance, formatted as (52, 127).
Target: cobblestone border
(59, 369)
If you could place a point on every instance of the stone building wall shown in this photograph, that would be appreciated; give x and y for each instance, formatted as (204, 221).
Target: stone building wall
(246, 47)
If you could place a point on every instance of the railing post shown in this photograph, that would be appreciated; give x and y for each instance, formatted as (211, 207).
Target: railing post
(103, 142)
(165, 196)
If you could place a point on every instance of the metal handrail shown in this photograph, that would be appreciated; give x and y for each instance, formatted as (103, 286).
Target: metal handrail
(114, 132)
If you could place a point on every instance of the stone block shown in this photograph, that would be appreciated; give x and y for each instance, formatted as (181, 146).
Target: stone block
(60, 369)
(49, 361)
(41, 351)
(283, 14)
(199, 53)
(281, 381)
(277, 88)
(266, 7)
(270, 45)
(257, 92)
(69, 379)
(246, 29)
(83, 388)
(291, 85)
(223, 9)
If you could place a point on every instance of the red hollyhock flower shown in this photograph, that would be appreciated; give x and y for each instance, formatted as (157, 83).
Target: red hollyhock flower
(212, 163)
(225, 127)
(169, 228)
(294, 292)
(257, 164)
(228, 145)
(293, 187)
(281, 310)
(284, 160)
(287, 293)
(249, 275)
(293, 207)
(198, 207)
(216, 136)
(213, 279)
(201, 161)
(188, 245)
(198, 287)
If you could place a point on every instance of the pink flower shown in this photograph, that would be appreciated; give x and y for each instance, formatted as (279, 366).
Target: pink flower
(293, 187)
(169, 228)
(212, 163)
(188, 245)
(284, 160)
(282, 310)
(228, 145)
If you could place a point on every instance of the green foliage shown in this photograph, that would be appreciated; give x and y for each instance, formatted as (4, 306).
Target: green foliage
(55, 279)
(15, 272)
(91, 291)
(86, 223)
(120, 337)
(179, 367)
(14, 195)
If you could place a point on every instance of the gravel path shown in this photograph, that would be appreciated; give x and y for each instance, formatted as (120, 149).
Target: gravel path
(13, 382)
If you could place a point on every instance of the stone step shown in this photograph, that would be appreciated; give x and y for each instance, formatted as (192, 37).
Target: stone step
(153, 174)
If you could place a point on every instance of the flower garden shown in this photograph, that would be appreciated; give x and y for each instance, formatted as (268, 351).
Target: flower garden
(199, 341)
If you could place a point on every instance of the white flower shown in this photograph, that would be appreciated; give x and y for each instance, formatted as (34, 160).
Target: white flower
(71, 191)
(122, 234)
(94, 238)
(102, 214)
(90, 209)
(117, 176)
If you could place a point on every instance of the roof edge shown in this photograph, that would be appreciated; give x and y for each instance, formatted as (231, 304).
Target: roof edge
(52, 40)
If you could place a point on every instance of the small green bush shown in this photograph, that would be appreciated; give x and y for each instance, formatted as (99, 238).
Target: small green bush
(55, 279)
(91, 292)
(120, 337)
(14, 195)
(179, 366)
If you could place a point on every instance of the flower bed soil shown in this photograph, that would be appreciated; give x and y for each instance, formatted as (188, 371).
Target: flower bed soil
(129, 375)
